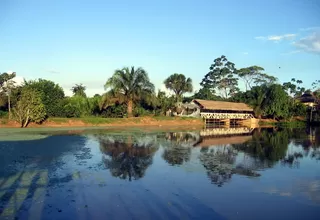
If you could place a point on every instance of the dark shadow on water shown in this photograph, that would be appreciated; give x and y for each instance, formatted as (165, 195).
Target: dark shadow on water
(29, 170)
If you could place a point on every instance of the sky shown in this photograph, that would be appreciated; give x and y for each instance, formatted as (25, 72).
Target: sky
(75, 41)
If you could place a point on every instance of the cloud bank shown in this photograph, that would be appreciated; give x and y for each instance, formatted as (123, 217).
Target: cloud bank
(309, 44)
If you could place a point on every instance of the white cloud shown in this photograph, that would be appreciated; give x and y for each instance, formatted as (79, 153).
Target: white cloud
(277, 38)
(292, 52)
(245, 53)
(260, 38)
(310, 44)
(310, 29)
(52, 71)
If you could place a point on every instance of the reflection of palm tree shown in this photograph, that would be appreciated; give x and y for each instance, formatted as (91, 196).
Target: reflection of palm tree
(176, 154)
(127, 159)
(178, 147)
(219, 164)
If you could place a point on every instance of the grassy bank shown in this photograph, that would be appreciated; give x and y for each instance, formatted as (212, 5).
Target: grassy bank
(108, 122)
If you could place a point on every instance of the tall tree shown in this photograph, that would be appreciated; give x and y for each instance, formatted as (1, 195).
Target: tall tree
(52, 95)
(29, 107)
(129, 85)
(221, 77)
(79, 90)
(254, 76)
(264, 79)
(6, 85)
(316, 88)
(293, 87)
(179, 84)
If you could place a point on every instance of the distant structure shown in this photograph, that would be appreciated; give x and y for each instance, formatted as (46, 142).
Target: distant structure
(218, 112)
(308, 99)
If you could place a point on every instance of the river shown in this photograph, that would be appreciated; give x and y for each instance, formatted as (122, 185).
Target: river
(218, 173)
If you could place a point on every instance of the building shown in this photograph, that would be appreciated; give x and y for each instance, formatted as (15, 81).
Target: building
(217, 111)
(308, 99)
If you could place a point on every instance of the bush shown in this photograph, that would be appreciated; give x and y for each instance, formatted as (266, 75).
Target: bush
(3, 114)
(71, 111)
(139, 111)
(115, 111)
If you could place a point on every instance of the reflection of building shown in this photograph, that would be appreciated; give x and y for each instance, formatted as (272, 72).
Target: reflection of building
(221, 136)
(212, 136)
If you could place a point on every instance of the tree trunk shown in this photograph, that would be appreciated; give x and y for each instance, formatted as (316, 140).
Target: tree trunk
(27, 120)
(129, 108)
(9, 106)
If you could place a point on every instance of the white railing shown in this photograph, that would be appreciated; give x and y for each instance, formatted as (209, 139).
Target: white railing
(226, 115)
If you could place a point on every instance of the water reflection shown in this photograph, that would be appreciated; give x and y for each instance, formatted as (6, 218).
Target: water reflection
(74, 176)
(127, 159)
(177, 147)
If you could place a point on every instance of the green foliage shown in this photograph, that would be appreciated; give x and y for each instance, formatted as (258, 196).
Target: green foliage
(179, 84)
(6, 77)
(298, 109)
(138, 111)
(222, 77)
(79, 106)
(277, 103)
(51, 95)
(3, 114)
(206, 94)
(79, 90)
(253, 76)
(29, 107)
(115, 111)
(129, 85)
(293, 88)
(164, 103)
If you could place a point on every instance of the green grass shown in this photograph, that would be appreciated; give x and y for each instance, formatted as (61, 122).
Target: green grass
(98, 120)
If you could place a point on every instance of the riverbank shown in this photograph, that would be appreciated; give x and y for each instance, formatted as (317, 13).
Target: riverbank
(108, 122)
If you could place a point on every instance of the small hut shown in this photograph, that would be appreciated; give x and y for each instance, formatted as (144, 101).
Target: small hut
(308, 99)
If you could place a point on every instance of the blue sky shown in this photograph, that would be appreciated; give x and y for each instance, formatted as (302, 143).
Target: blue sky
(85, 41)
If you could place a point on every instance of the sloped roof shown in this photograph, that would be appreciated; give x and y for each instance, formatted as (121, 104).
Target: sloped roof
(218, 105)
(306, 98)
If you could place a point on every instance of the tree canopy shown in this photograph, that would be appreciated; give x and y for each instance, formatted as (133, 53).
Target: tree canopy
(179, 84)
(79, 90)
(129, 85)
(221, 77)
(51, 95)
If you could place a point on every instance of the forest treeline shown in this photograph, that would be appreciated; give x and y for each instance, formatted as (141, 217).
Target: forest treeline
(129, 92)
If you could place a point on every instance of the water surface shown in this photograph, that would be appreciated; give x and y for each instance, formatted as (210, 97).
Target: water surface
(235, 173)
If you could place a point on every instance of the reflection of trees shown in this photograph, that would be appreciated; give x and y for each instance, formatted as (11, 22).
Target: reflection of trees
(176, 154)
(220, 163)
(292, 159)
(182, 137)
(178, 147)
(267, 146)
(129, 158)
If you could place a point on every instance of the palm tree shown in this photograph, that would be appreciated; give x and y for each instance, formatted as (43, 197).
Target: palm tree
(128, 85)
(79, 90)
(6, 84)
(178, 84)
